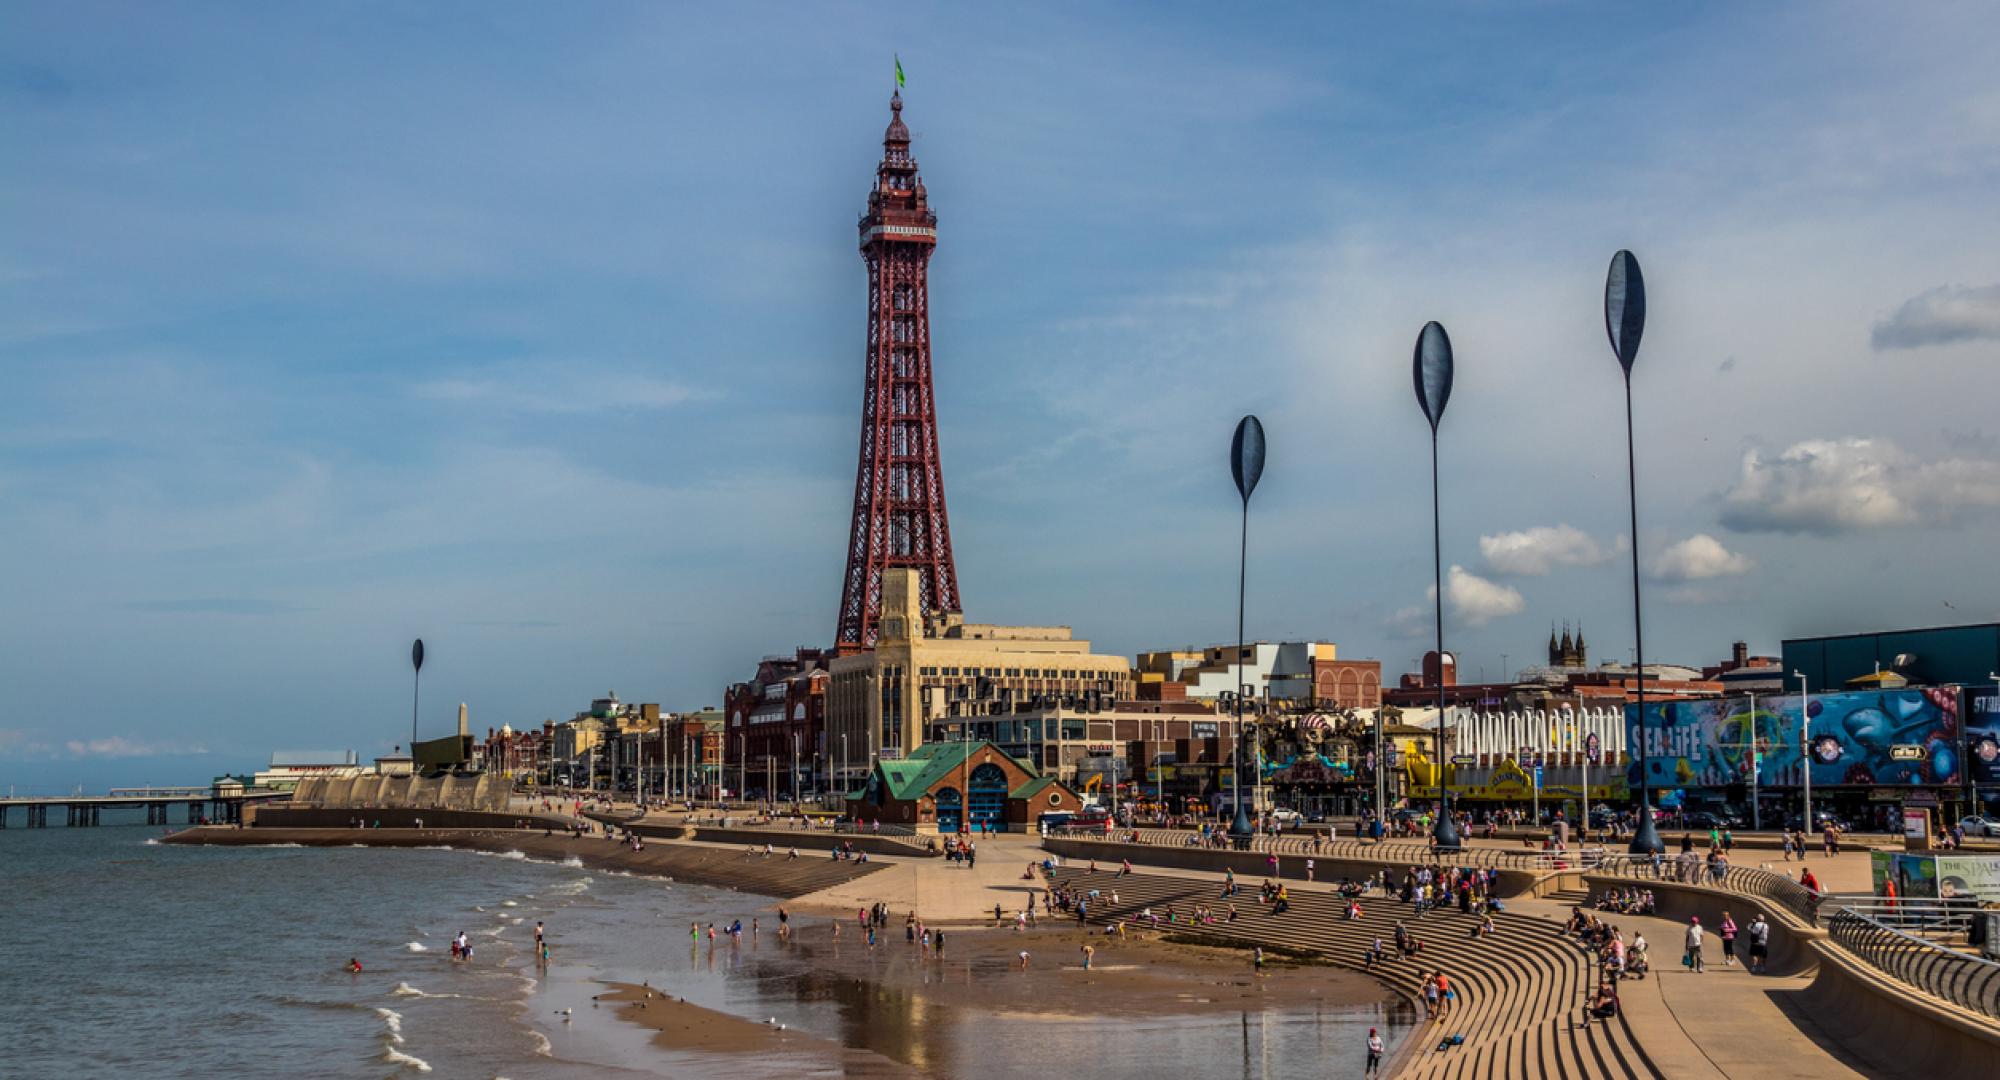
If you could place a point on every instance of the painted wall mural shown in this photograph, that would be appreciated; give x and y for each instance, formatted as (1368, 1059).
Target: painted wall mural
(1873, 738)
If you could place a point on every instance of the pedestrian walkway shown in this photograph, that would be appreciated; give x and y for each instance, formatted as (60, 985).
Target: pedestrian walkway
(940, 891)
(1724, 1022)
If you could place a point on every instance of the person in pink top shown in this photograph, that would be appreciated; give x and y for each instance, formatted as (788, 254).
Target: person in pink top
(1728, 932)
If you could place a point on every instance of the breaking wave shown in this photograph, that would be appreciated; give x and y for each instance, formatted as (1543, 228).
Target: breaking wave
(397, 1057)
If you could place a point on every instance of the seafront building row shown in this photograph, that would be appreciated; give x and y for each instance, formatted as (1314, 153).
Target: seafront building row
(1914, 727)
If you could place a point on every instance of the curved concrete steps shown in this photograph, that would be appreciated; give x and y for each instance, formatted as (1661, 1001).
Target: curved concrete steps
(1521, 990)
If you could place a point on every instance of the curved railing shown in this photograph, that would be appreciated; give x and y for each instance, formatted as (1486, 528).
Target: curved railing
(1780, 890)
(1967, 981)
(1386, 851)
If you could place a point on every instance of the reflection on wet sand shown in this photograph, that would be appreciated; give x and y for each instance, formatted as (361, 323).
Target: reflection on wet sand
(980, 1013)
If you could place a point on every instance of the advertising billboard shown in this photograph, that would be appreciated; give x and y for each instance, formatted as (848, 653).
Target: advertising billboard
(1869, 737)
(1982, 734)
(1918, 875)
(1915, 874)
(1977, 876)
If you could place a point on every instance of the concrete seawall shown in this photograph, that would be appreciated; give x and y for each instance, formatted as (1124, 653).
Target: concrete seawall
(1895, 1030)
(721, 867)
(1251, 865)
(391, 817)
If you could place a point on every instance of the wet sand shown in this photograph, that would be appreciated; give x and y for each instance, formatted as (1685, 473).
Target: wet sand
(1142, 975)
(678, 1025)
(683, 1026)
(904, 1015)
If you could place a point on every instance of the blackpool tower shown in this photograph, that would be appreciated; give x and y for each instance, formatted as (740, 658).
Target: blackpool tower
(899, 515)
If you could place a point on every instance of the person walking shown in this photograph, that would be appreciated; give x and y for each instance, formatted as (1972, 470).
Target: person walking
(1375, 1048)
(1728, 933)
(1089, 951)
(1760, 943)
(1693, 958)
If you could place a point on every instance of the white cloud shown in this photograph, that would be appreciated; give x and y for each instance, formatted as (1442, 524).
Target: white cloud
(1473, 600)
(118, 746)
(20, 744)
(1942, 316)
(1541, 549)
(1832, 486)
(1476, 601)
(1698, 558)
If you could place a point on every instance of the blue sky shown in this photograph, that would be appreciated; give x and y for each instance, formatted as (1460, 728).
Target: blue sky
(537, 332)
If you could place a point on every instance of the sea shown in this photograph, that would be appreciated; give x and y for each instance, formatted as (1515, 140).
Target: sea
(131, 958)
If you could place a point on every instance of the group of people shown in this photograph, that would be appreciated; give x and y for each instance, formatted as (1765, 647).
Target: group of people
(1616, 959)
(960, 851)
(1470, 889)
(1627, 901)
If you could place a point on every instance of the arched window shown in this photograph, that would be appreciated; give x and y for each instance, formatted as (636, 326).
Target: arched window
(950, 808)
(989, 796)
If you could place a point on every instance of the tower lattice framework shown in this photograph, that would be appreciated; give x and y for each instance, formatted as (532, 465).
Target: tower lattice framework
(899, 511)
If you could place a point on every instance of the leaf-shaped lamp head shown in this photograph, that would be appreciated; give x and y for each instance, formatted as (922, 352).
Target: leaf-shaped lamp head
(1430, 369)
(1246, 455)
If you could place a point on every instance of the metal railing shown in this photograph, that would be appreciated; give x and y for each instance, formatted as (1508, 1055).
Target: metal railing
(1961, 978)
(1793, 897)
(1384, 851)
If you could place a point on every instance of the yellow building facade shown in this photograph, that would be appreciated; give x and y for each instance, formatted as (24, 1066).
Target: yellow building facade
(923, 670)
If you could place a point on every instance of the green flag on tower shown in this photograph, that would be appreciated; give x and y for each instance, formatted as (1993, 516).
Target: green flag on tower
(899, 73)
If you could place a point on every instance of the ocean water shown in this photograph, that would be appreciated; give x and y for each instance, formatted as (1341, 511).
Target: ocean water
(134, 959)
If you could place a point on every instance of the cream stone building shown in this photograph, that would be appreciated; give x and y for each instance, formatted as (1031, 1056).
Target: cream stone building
(923, 671)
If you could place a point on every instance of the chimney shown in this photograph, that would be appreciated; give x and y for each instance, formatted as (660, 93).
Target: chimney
(1739, 654)
(463, 729)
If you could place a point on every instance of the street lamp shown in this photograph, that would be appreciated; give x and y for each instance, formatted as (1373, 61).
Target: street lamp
(1246, 466)
(416, 696)
(1805, 745)
(1624, 323)
(1431, 370)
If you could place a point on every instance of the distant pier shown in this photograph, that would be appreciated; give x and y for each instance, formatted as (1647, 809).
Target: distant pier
(85, 811)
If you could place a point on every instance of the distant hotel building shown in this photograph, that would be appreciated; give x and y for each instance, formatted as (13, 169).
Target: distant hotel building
(1288, 673)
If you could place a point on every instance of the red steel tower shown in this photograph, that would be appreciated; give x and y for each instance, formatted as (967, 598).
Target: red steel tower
(899, 515)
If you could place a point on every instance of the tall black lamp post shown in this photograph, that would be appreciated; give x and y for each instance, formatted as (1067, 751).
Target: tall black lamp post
(416, 696)
(1430, 369)
(1246, 464)
(1625, 321)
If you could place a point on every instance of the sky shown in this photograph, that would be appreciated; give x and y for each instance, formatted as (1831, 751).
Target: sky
(537, 332)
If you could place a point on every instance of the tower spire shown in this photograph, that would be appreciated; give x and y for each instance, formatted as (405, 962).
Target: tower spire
(899, 509)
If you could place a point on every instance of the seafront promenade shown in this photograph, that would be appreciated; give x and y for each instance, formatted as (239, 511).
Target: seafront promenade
(1523, 988)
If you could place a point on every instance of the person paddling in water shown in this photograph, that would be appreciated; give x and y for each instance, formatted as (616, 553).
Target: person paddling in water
(354, 967)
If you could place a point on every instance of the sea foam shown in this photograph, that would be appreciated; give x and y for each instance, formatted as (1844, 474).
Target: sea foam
(417, 946)
(393, 1021)
(397, 1057)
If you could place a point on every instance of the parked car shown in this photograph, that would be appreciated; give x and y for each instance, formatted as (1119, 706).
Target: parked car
(1287, 817)
(1979, 825)
(1820, 820)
